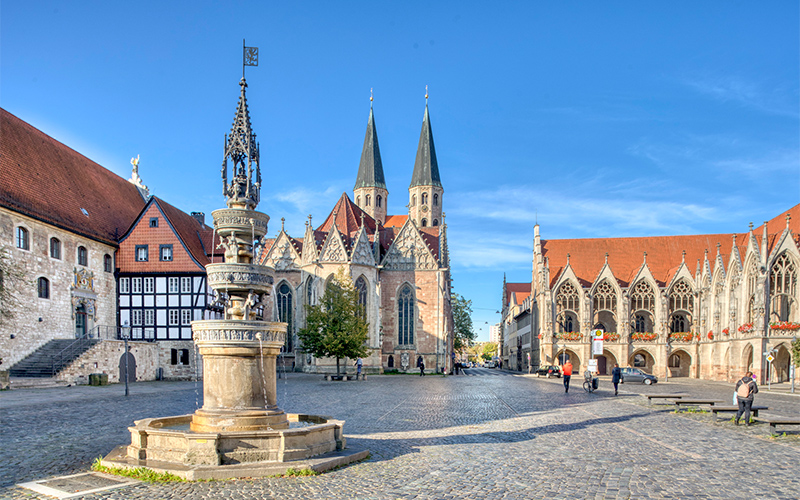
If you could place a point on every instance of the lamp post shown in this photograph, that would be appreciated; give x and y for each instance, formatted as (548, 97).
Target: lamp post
(791, 364)
(125, 333)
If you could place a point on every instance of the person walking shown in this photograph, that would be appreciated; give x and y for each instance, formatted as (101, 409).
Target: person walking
(616, 375)
(359, 363)
(746, 389)
(566, 372)
(421, 367)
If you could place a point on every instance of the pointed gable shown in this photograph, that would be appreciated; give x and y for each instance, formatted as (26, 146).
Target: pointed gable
(283, 254)
(170, 227)
(362, 250)
(333, 250)
(409, 251)
(370, 169)
(426, 167)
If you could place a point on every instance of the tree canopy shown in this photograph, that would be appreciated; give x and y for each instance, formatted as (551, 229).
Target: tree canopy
(463, 332)
(337, 326)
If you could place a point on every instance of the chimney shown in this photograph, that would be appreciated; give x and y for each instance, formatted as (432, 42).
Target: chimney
(199, 217)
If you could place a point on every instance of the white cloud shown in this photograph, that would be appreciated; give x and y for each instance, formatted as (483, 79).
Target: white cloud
(776, 99)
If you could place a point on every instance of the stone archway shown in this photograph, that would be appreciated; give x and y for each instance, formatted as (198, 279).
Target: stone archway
(605, 362)
(747, 359)
(131, 367)
(679, 363)
(573, 358)
(780, 366)
(641, 358)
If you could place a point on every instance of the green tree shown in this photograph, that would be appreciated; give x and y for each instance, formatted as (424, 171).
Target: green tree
(489, 351)
(796, 352)
(336, 327)
(463, 332)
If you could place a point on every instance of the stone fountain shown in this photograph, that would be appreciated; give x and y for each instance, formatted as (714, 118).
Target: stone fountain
(239, 431)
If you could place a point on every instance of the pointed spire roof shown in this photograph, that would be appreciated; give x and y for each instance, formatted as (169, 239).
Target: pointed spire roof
(426, 168)
(370, 170)
(242, 149)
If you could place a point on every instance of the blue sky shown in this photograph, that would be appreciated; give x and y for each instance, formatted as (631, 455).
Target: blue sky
(599, 119)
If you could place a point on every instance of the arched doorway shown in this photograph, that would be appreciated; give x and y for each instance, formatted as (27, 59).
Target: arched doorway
(679, 363)
(605, 362)
(780, 367)
(570, 355)
(131, 367)
(642, 359)
(747, 359)
(80, 321)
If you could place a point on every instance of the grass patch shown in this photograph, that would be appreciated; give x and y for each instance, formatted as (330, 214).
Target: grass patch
(291, 472)
(140, 473)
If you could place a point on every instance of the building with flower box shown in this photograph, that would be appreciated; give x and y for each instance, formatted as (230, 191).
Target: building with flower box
(701, 306)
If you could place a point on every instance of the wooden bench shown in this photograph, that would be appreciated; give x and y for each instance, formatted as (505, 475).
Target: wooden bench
(776, 421)
(651, 397)
(734, 409)
(696, 402)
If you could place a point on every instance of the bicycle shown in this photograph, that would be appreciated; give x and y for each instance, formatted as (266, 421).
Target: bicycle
(590, 383)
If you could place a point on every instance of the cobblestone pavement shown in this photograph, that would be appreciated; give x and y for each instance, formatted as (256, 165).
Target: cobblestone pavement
(492, 435)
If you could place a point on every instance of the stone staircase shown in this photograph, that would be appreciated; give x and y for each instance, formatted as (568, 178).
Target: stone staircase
(51, 358)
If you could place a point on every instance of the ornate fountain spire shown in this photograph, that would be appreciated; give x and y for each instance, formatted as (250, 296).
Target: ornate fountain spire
(244, 190)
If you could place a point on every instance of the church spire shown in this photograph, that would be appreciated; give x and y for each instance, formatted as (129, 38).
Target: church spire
(244, 190)
(426, 168)
(370, 169)
(370, 190)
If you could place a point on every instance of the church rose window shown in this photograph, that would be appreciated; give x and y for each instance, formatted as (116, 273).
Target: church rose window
(55, 248)
(405, 316)
(285, 312)
(22, 239)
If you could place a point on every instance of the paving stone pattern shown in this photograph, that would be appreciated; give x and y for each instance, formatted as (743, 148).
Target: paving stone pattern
(492, 435)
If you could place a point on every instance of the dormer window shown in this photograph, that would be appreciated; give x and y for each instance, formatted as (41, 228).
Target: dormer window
(153, 221)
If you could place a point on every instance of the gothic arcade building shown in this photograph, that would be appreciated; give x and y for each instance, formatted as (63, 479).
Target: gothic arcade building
(398, 263)
(700, 306)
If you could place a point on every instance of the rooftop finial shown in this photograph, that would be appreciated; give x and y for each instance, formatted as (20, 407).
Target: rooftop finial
(788, 218)
(606, 257)
(645, 257)
(567, 259)
(718, 245)
(249, 56)
(283, 219)
(426, 95)
(751, 226)
(683, 256)
(362, 219)
(370, 98)
(734, 239)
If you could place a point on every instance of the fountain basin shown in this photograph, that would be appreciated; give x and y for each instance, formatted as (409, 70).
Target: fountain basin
(166, 440)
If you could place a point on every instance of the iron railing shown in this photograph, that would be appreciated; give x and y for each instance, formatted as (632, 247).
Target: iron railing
(79, 345)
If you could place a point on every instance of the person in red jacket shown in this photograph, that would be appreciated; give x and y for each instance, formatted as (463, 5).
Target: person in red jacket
(566, 371)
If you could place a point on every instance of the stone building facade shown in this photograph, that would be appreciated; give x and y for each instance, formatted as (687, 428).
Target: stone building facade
(399, 264)
(700, 306)
(72, 228)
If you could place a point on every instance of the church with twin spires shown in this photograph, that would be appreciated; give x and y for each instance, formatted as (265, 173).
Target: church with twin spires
(398, 263)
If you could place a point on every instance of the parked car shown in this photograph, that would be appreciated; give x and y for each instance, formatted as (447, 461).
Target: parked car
(548, 371)
(635, 375)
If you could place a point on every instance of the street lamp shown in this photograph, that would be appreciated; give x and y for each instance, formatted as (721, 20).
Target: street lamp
(125, 333)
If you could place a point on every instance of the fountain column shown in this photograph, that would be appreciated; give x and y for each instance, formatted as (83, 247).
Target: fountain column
(239, 351)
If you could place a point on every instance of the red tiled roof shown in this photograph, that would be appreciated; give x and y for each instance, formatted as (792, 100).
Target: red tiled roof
(395, 220)
(519, 292)
(45, 179)
(189, 229)
(347, 218)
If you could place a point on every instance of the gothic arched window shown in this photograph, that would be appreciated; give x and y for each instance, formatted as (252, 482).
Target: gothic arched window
(378, 200)
(681, 305)
(642, 297)
(309, 291)
(368, 200)
(424, 222)
(285, 313)
(567, 307)
(435, 199)
(83, 256)
(361, 288)
(782, 289)
(358, 201)
(435, 222)
(605, 297)
(424, 198)
(22, 239)
(413, 200)
(55, 248)
(405, 316)
(44, 288)
(107, 263)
